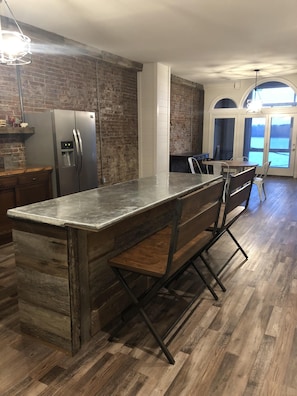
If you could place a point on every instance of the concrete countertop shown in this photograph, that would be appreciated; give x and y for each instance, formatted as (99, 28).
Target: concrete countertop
(98, 208)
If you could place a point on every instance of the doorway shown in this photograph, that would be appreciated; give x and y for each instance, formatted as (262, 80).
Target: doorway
(271, 138)
(223, 138)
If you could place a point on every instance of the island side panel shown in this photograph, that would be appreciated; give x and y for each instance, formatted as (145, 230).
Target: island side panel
(107, 297)
(46, 284)
(67, 291)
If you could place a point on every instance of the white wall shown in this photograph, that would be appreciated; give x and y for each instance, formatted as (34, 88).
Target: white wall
(153, 119)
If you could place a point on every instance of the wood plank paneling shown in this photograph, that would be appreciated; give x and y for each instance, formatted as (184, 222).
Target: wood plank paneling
(45, 324)
(44, 292)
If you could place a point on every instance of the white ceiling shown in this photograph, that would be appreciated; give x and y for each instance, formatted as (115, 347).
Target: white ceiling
(202, 40)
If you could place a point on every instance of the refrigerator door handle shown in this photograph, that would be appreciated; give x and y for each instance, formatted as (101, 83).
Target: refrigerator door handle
(77, 148)
(80, 149)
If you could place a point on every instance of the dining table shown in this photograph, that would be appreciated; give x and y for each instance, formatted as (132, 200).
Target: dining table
(236, 165)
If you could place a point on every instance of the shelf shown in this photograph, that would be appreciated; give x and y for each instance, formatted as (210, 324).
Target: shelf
(16, 131)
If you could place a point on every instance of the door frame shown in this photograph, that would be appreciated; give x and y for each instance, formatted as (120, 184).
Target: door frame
(277, 171)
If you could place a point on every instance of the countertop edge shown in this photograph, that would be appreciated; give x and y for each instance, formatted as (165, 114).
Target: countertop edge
(21, 171)
(18, 213)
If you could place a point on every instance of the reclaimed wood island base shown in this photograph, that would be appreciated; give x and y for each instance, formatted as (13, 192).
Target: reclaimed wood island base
(66, 290)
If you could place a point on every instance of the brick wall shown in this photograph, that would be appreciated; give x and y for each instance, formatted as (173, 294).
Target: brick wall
(186, 116)
(66, 75)
(118, 121)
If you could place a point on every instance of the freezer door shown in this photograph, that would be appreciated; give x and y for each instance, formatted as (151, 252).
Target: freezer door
(66, 155)
(39, 147)
(85, 126)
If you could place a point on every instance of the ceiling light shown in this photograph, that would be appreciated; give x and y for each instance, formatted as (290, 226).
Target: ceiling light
(14, 45)
(254, 105)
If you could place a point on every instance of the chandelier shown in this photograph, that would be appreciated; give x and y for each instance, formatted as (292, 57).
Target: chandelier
(254, 105)
(15, 47)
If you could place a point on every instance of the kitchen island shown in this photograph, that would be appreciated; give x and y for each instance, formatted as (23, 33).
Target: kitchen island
(66, 290)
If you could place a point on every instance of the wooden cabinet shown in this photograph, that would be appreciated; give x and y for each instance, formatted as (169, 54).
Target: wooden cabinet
(18, 188)
(179, 162)
(7, 201)
(33, 187)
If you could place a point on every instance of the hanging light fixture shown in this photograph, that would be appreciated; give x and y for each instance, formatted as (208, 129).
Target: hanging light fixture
(254, 105)
(15, 47)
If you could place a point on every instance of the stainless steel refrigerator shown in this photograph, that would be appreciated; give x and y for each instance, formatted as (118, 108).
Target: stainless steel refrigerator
(65, 140)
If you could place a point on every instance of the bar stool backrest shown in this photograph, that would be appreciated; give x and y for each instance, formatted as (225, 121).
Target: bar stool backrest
(238, 196)
(196, 212)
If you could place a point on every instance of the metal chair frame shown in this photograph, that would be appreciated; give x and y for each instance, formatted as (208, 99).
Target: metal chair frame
(194, 164)
(259, 180)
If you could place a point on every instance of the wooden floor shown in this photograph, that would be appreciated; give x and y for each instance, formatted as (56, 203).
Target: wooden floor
(243, 344)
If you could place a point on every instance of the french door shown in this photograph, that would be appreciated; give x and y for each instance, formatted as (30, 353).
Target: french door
(223, 140)
(271, 138)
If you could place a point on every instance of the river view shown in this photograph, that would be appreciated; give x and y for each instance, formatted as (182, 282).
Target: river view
(279, 153)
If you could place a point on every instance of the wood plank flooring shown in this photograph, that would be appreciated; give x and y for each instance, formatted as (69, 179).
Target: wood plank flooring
(243, 344)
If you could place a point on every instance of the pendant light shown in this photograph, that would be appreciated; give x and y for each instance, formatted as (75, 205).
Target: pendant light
(15, 47)
(254, 105)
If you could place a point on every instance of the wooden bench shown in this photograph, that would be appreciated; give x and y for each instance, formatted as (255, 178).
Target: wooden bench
(235, 205)
(166, 254)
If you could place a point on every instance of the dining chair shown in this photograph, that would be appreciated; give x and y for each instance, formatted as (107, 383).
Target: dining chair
(259, 180)
(239, 158)
(194, 165)
(220, 168)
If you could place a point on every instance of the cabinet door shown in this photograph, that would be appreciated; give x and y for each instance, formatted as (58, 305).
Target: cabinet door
(33, 187)
(7, 201)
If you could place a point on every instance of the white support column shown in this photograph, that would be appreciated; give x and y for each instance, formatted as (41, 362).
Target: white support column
(153, 119)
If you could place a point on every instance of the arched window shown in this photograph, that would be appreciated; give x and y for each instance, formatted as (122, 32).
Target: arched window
(269, 136)
(225, 103)
(273, 94)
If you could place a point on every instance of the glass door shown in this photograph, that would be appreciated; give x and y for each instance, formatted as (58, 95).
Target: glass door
(271, 138)
(280, 141)
(254, 139)
(223, 138)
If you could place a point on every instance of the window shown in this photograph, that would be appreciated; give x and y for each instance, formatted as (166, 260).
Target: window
(269, 136)
(278, 138)
(225, 103)
(223, 138)
(274, 94)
